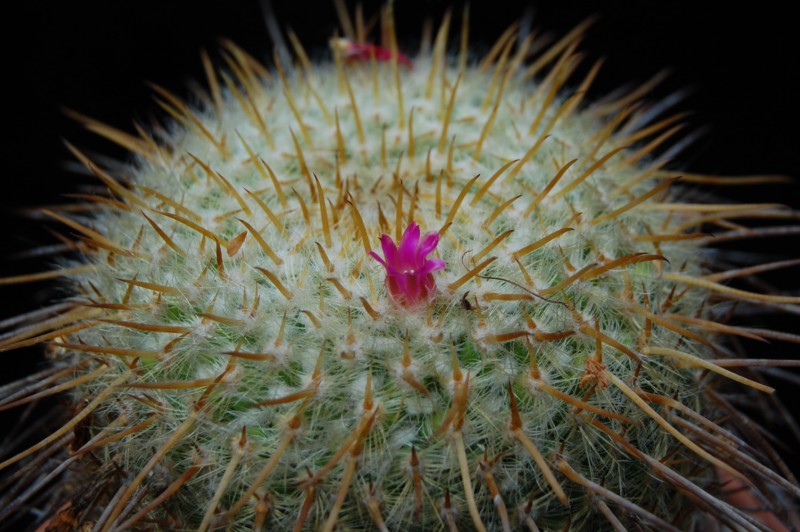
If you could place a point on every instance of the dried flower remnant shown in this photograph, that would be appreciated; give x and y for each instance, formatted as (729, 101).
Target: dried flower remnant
(354, 51)
(409, 273)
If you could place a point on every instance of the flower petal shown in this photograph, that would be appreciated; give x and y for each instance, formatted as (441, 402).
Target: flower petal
(389, 249)
(406, 253)
(433, 265)
(378, 258)
(428, 244)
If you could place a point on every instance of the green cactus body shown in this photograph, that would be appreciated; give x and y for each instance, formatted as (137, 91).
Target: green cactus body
(249, 365)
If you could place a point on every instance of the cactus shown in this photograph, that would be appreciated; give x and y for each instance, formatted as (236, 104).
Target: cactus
(401, 293)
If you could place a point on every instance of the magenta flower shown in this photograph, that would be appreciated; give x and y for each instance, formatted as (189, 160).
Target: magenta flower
(409, 274)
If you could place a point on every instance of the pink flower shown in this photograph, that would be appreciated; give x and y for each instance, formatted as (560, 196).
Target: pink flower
(409, 274)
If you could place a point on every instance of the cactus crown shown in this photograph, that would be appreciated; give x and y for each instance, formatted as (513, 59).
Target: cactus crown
(535, 357)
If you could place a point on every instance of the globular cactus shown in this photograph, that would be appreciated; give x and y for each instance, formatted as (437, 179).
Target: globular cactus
(398, 293)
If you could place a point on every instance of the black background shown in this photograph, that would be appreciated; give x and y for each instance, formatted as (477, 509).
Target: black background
(735, 65)
(738, 66)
